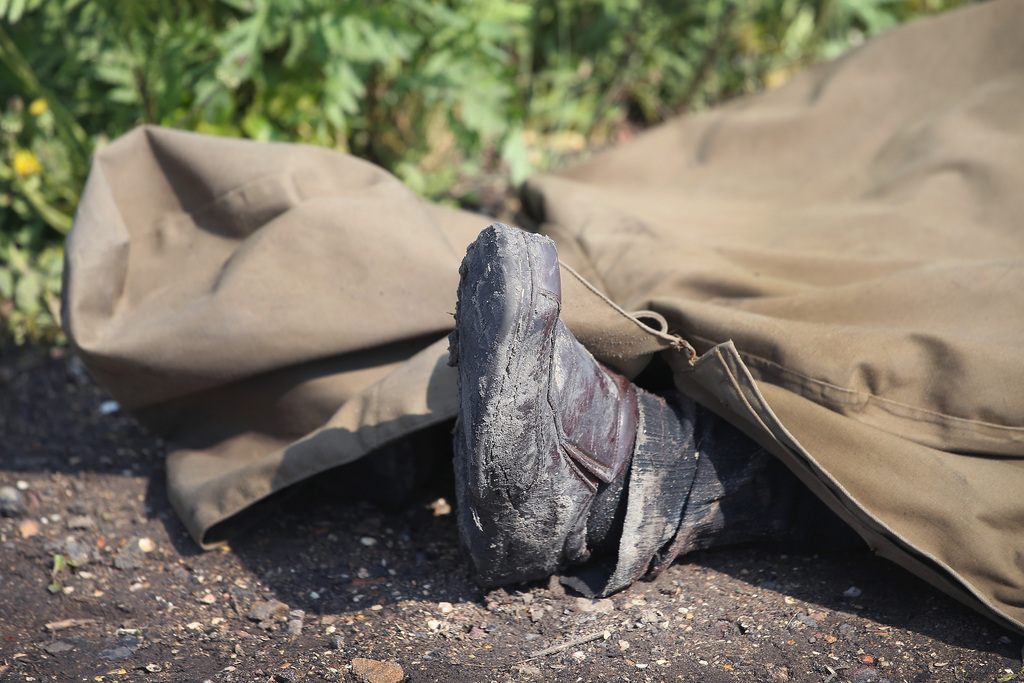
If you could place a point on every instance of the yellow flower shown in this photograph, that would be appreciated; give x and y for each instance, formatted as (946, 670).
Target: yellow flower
(776, 77)
(26, 163)
(37, 107)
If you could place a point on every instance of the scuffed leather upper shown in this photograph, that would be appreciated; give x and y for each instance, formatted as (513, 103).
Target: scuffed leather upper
(541, 422)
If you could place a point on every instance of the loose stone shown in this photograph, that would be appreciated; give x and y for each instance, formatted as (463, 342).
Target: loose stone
(12, 503)
(373, 671)
(263, 611)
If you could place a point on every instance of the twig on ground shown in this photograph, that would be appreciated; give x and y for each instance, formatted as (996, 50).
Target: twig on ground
(570, 643)
(54, 626)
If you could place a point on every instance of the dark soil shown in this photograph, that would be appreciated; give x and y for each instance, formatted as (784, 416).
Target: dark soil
(352, 582)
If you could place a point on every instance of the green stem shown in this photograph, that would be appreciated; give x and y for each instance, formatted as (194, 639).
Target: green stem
(55, 218)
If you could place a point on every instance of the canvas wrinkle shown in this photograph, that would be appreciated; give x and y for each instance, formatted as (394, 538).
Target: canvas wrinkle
(744, 400)
(243, 210)
(100, 248)
(756, 406)
(982, 435)
(971, 570)
(176, 167)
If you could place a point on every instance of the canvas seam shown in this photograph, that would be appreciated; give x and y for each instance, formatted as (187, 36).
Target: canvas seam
(896, 408)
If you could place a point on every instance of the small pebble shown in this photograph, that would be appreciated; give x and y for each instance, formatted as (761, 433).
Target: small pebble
(852, 592)
(262, 611)
(21, 485)
(649, 616)
(58, 646)
(445, 607)
(865, 674)
(441, 507)
(80, 522)
(28, 528)
(124, 648)
(32, 502)
(77, 553)
(118, 652)
(368, 541)
(109, 407)
(373, 671)
(129, 557)
(147, 545)
(12, 503)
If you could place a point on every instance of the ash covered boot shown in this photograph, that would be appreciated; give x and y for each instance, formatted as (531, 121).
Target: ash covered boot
(548, 440)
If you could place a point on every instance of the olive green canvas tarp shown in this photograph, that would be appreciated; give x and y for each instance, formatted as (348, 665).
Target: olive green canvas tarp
(845, 253)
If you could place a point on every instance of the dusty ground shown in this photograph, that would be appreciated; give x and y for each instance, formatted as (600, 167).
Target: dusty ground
(325, 586)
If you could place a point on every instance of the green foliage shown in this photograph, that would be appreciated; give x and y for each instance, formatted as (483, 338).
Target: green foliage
(447, 94)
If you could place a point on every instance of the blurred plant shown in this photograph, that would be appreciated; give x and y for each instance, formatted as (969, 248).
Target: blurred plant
(35, 212)
(453, 96)
(60, 563)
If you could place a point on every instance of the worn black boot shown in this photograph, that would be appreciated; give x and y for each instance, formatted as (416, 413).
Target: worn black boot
(546, 434)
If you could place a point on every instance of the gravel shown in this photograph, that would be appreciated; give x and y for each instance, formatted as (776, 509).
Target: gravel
(405, 602)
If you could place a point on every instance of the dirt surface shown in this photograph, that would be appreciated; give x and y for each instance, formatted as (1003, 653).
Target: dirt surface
(337, 591)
